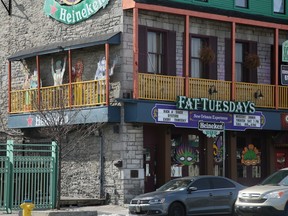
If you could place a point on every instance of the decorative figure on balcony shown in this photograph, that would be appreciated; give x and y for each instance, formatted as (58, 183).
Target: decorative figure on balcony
(77, 72)
(101, 69)
(101, 75)
(26, 84)
(34, 80)
(58, 73)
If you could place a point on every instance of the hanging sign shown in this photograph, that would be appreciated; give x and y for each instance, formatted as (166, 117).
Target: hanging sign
(73, 11)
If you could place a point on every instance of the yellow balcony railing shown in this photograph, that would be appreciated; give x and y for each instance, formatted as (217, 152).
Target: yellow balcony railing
(88, 93)
(167, 88)
(246, 92)
(200, 88)
(283, 97)
(159, 87)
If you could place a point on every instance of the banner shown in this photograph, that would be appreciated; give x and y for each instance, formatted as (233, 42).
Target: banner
(73, 11)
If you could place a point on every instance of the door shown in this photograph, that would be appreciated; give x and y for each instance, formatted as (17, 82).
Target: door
(200, 200)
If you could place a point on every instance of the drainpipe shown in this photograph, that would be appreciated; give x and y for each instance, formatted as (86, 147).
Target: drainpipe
(101, 187)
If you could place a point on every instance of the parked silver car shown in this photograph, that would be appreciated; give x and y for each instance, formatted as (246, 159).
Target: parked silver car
(200, 195)
(268, 198)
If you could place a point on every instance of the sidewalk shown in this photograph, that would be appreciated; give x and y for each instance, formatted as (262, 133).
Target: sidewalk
(112, 210)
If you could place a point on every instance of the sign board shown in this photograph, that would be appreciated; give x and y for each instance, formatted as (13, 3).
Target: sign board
(73, 11)
(202, 125)
(169, 114)
(285, 51)
(284, 74)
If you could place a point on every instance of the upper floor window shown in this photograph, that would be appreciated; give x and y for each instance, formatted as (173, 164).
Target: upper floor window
(157, 51)
(245, 57)
(241, 3)
(279, 6)
(203, 57)
(239, 64)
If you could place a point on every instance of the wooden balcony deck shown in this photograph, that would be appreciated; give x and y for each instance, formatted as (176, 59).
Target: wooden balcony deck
(167, 88)
(79, 94)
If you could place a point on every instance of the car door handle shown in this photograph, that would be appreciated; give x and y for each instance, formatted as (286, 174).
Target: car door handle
(210, 194)
(231, 193)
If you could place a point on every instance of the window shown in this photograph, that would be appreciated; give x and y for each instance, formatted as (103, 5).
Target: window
(197, 66)
(202, 184)
(241, 3)
(279, 6)
(222, 183)
(203, 57)
(239, 68)
(155, 52)
(244, 72)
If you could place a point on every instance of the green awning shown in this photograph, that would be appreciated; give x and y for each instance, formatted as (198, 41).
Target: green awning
(110, 38)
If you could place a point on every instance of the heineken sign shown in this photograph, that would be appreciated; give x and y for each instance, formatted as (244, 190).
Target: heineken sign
(205, 104)
(73, 11)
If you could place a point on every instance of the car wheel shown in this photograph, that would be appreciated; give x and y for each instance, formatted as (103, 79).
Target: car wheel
(176, 209)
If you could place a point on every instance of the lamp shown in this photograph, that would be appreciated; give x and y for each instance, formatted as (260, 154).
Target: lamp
(258, 94)
(212, 89)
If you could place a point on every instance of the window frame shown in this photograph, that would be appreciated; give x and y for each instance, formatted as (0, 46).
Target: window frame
(279, 12)
(209, 69)
(246, 2)
(169, 50)
(159, 54)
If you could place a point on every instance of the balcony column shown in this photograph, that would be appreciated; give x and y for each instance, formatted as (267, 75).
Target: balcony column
(107, 73)
(186, 56)
(233, 38)
(135, 53)
(276, 56)
(38, 81)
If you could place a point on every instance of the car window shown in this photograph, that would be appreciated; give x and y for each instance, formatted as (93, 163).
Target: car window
(222, 183)
(276, 178)
(202, 184)
(176, 184)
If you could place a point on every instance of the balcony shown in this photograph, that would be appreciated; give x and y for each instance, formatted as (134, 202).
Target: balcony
(167, 88)
(83, 94)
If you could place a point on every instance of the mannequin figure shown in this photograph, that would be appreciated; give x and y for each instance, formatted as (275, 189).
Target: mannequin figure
(58, 73)
(77, 72)
(101, 69)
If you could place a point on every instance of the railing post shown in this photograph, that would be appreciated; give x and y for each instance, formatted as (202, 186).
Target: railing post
(8, 177)
(54, 168)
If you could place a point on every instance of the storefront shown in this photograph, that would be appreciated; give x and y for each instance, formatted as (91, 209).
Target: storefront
(192, 136)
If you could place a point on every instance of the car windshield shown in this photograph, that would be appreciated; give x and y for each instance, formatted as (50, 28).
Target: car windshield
(278, 178)
(175, 185)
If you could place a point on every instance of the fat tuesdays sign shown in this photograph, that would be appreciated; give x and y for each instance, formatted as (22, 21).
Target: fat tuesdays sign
(204, 104)
(73, 11)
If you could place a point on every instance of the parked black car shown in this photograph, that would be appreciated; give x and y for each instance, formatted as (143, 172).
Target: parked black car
(199, 195)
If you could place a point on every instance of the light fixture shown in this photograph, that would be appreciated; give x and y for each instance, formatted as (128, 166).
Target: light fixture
(258, 94)
(212, 89)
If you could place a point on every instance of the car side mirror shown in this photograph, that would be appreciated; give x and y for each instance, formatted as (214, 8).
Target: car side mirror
(190, 189)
